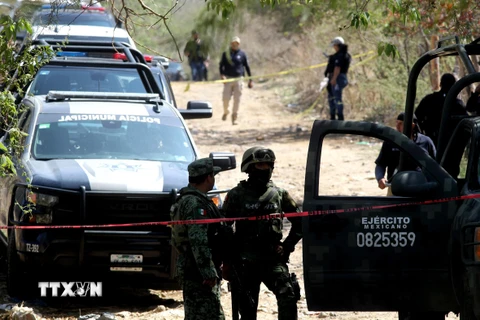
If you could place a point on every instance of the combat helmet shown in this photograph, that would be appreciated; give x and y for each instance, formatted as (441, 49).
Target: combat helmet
(255, 155)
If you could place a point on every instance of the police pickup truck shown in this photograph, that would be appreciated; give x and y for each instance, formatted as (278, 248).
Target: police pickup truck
(404, 252)
(98, 151)
(95, 158)
(96, 66)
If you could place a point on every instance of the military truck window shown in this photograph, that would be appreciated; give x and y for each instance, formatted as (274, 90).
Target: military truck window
(102, 136)
(349, 165)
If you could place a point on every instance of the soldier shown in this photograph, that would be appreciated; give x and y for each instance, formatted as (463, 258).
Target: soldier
(430, 109)
(198, 262)
(389, 157)
(262, 256)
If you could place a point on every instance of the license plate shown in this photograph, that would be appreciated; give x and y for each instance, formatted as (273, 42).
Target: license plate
(126, 258)
(126, 269)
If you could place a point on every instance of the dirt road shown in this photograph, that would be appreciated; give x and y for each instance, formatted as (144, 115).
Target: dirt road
(263, 120)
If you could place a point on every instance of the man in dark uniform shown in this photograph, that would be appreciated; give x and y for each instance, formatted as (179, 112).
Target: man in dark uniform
(430, 109)
(336, 71)
(233, 64)
(389, 156)
(198, 264)
(197, 54)
(262, 256)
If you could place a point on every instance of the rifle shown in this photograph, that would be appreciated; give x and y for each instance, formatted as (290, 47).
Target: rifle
(237, 290)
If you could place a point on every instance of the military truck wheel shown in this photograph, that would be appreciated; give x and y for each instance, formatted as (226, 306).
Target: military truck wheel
(16, 275)
(409, 315)
(466, 310)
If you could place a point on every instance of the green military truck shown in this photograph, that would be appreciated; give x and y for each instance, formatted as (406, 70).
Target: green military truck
(404, 252)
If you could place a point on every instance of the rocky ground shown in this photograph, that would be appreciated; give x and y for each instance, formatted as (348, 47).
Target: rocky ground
(263, 120)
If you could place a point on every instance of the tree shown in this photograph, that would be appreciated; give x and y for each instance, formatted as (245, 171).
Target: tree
(16, 70)
(399, 17)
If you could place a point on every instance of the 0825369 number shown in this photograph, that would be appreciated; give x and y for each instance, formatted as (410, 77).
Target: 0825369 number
(385, 239)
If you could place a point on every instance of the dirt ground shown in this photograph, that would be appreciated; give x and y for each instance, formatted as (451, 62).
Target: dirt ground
(263, 120)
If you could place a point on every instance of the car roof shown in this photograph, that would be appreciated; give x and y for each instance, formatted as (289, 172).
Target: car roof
(64, 102)
(80, 30)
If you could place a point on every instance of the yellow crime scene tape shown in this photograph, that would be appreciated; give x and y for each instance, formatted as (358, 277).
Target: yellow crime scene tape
(281, 73)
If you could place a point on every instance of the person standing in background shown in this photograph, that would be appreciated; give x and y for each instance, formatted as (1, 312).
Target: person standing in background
(430, 109)
(197, 55)
(336, 71)
(233, 64)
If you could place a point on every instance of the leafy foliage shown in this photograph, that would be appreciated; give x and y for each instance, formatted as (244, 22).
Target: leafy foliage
(16, 71)
(444, 17)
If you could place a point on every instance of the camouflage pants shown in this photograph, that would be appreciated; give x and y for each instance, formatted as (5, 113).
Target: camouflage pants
(201, 302)
(277, 279)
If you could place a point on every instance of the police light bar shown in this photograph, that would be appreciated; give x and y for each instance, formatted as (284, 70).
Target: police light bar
(71, 54)
(120, 56)
(96, 8)
(123, 56)
(62, 95)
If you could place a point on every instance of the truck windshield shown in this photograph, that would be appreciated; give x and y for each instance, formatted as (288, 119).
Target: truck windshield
(74, 18)
(107, 136)
(86, 79)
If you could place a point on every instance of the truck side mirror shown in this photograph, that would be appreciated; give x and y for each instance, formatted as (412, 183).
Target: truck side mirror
(224, 160)
(412, 184)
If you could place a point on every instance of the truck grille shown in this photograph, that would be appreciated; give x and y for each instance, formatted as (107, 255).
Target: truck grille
(108, 209)
(103, 208)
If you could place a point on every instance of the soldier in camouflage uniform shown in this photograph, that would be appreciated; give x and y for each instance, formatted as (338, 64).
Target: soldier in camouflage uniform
(262, 256)
(198, 260)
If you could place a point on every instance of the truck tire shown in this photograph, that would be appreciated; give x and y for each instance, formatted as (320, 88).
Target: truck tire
(409, 315)
(16, 275)
(466, 309)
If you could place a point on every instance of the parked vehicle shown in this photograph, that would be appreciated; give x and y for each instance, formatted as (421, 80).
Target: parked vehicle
(411, 252)
(175, 71)
(114, 67)
(97, 158)
(93, 138)
(45, 12)
(89, 16)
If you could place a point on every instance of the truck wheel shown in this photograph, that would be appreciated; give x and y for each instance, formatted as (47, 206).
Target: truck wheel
(408, 315)
(466, 310)
(16, 277)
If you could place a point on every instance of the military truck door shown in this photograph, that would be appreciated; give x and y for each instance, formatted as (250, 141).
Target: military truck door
(368, 258)
(461, 160)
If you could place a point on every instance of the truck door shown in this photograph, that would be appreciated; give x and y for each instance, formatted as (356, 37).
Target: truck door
(368, 258)
(461, 160)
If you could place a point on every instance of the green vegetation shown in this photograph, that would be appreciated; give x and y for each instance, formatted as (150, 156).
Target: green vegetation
(16, 70)
(280, 35)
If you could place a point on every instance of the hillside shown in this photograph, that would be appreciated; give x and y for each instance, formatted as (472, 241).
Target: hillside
(276, 40)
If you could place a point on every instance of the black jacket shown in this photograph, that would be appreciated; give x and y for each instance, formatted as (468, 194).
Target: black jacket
(235, 64)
